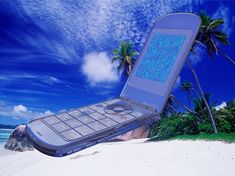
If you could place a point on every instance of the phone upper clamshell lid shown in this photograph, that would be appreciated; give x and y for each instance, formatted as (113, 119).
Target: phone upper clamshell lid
(162, 59)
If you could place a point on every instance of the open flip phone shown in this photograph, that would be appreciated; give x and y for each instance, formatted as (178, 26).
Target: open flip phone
(141, 101)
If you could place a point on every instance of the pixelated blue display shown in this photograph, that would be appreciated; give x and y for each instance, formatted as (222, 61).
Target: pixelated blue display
(160, 56)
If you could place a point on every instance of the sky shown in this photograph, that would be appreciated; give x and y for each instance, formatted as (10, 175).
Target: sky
(56, 55)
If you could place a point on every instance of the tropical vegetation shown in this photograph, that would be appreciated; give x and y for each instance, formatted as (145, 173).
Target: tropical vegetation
(194, 124)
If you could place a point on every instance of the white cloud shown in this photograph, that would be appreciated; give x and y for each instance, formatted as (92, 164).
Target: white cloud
(19, 109)
(221, 106)
(21, 112)
(50, 80)
(98, 68)
(47, 113)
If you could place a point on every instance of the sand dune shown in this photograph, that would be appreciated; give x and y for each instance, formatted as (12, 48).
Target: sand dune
(134, 157)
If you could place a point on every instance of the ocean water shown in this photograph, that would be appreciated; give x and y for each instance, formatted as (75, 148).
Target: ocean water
(4, 134)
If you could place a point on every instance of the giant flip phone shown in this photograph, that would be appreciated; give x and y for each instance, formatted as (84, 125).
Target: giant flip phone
(141, 100)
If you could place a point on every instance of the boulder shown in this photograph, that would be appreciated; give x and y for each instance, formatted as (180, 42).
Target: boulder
(19, 140)
(141, 132)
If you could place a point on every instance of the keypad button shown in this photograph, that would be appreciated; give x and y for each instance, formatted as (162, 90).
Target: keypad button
(76, 113)
(60, 127)
(108, 122)
(85, 119)
(64, 116)
(98, 107)
(96, 126)
(86, 110)
(51, 120)
(73, 123)
(71, 134)
(97, 116)
(84, 130)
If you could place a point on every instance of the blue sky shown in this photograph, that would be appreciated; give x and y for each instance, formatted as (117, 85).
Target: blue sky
(56, 55)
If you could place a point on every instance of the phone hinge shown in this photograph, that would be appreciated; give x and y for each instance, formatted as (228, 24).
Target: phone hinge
(140, 104)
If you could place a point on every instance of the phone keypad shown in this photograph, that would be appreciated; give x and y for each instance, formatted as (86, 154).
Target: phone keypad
(60, 127)
(85, 119)
(84, 130)
(73, 123)
(64, 116)
(108, 122)
(78, 123)
(71, 134)
(96, 126)
(51, 120)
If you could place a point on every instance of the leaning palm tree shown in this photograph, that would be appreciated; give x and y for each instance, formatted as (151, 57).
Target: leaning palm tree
(125, 55)
(187, 87)
(212, 120)
(210, 36)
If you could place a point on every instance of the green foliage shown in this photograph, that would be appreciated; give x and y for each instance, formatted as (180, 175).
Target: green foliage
(225, 118)
(188, 124)
(205, 127)
(174, 125)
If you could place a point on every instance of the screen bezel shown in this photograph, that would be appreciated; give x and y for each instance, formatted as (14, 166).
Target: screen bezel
(151, 85)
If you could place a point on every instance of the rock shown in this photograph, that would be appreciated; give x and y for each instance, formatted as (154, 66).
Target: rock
(141, 132)
(19, 140)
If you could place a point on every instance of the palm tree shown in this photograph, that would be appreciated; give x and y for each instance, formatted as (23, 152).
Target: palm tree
(187, 87)
(125, 56)
(212, 120)
(210, 36)
(199, 104)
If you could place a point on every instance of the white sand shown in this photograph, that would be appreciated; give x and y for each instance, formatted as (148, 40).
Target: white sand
(133, 158)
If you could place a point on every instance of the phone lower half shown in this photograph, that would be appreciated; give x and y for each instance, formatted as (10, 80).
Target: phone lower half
(68, 132)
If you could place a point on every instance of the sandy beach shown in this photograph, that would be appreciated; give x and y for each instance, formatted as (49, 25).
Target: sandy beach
(135, 157)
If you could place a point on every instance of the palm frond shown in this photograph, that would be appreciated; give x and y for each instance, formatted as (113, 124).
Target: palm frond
(205, 19)
(133, 53)
(129, 47)
(221, 37)
(116, 52)
(120, 66)
(116, 58)
(123, 48)
(215, 24)
(213, 46)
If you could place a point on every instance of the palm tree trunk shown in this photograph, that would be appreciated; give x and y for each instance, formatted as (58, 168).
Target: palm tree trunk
(226, 57)
(203, 97)
(189, 101)
(185, 107)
